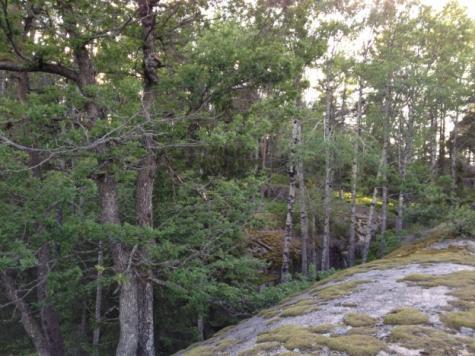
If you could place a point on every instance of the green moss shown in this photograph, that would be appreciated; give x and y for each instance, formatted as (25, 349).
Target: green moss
(460, 319)
(362, 331)
(338, 290)
(269, 313)
(471, 346)
(261, 349)
(297, 310)
(305, 340)
(416, 277)
(225, 344)
(322, 328)
(405, 316)
(355, 345)
(202, 350)
(359, 319)
(296, 337)
(432, 341)
(223, 330)
(292, 337)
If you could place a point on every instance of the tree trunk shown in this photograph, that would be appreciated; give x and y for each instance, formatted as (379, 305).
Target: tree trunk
(441, 162)
(371, 226)
(128, 305)
(292, 172)
(313, 246)
(328, 178)
(433, 143)
(384, 168)
(354, 178)
(303, 216)
(98, 307)
(454, 153)
(147, 174)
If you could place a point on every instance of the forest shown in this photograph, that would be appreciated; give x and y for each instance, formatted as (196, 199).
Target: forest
(169, 168)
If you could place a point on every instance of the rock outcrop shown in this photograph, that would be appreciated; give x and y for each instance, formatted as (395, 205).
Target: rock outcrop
(419, 300)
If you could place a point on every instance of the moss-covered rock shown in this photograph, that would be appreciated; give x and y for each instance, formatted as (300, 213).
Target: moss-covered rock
(261, 348)
(362, 331)
(338, 290)
(459, 319)
(405, 316)
(359, 319)
(355, 345)
(432, 341)
(202, 350)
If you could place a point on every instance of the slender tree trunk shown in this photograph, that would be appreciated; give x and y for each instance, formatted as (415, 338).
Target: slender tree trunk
(406, 159)
(354, 178)
(96, 335)
(384, 173)
(147, 174)
(381, 171)
(454, 153)
(201, 327)
(327, 201)
(303, 215)
(370, 228)
(441, 162)
(292, 172)
(313, 246)
(433, 143)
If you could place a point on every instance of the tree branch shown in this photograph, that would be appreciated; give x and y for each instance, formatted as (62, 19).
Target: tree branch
(40, 66)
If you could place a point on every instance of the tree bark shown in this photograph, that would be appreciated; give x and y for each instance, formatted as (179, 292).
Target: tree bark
(370, 228)
(433, 142)
(441, 162)
(354, 177)
(98, 307)
(327, 127)
(454, 153)
(303, 212)
(128, 305)
(292, 172)
(147, 174)
(384, 168)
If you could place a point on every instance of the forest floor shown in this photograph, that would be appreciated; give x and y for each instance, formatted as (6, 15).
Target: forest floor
(419, 300)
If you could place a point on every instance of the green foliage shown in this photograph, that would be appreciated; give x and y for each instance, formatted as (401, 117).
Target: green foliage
(462, 221)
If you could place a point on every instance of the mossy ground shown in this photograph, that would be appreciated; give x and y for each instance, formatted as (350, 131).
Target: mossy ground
(296, 337)
(261, 348)
(337, 290)
(433, 341)
(362, 331)
(405, 316)
(359, 319)
(202, 350)
(459, 319)
(323, 328)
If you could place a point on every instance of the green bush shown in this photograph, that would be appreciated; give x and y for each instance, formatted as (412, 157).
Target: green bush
(462, 221)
